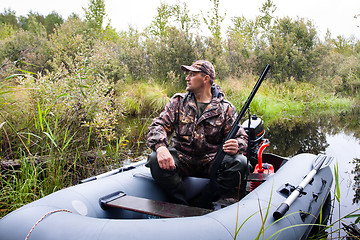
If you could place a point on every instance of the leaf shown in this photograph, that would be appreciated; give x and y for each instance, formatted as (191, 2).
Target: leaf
(337, 184)
(52, 139)
(14, 75)
(24, 71)
(30, 64)
(352, 216)
(68, 141)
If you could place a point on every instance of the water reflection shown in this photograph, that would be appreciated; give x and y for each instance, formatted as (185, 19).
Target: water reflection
(308, 133)
(291, 138)
(356, 186)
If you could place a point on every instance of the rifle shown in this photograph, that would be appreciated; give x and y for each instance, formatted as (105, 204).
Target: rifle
(220, 154)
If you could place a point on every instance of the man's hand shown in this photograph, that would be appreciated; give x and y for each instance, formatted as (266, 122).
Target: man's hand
(165, 160)
(231, 147)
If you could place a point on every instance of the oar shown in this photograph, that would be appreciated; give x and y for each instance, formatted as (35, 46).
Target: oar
(115, 171)
(321, 161)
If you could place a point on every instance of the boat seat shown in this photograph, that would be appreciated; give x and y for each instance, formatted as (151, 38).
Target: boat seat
(150, 207)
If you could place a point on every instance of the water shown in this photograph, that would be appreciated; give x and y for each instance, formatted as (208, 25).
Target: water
(337, 136)
(346, 149)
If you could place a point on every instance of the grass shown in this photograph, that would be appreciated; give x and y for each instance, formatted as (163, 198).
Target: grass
(142, 99)
(21, 186)
(275, 102)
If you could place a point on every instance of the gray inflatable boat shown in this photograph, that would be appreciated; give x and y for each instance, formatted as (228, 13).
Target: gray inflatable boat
(128, 204)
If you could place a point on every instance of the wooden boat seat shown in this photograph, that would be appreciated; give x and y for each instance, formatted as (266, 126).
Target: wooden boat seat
(150, 207)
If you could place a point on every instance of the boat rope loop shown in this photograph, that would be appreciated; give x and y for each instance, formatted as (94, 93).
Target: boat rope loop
(42, 218)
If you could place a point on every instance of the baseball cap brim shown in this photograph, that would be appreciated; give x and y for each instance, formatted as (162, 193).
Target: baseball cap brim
(190, 68)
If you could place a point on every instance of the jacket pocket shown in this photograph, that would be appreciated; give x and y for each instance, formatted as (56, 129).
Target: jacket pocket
(186, 126)
(213, 131)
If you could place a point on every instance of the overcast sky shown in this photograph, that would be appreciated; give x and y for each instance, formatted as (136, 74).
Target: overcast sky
(335, 15)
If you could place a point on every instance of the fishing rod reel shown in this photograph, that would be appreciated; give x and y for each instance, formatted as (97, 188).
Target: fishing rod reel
(254, 127)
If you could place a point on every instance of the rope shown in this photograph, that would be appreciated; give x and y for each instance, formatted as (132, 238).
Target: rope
(42, 218)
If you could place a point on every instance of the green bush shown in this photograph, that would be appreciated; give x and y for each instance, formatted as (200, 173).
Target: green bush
(23, 49)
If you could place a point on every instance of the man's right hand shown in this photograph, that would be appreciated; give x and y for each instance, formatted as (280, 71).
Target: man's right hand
(165, 159)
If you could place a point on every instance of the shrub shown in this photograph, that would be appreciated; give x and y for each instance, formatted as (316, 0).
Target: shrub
(65, 109)
(23, 49)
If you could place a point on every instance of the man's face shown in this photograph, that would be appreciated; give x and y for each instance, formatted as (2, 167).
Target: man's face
(194, 81)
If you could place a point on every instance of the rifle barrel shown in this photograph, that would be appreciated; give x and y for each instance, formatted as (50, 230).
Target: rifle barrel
(220, 154)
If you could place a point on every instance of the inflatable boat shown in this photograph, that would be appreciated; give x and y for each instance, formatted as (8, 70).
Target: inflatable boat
(128, 204)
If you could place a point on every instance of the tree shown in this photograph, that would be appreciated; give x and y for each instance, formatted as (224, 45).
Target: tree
(173, 16)
(214, 20)
(160, 24)
(6, 30)
(291, 50)
(95, 14)
(242, 38)
(167, 54)
(26, 22)
(186, 20)
(265, 19)
(247, 35)
(9, 17)
(51, 21)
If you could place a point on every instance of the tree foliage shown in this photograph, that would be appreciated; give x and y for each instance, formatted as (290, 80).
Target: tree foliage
(95, 14)
(291, 49)
(38, 43)
(214, 19)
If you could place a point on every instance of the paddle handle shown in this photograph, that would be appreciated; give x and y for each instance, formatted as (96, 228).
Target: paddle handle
(284, 207)
(281, 210)
(319, 162)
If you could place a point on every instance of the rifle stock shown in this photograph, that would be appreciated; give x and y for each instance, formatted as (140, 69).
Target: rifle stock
(220, 154)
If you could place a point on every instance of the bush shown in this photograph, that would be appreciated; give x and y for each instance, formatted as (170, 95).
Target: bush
(167, 54)
(65, 109)
(23, 49)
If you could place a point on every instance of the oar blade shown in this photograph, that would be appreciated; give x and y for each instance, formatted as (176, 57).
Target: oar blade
(322, 161)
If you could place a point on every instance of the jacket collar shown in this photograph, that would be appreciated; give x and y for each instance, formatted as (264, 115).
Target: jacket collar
(213, 108)
(216, 91)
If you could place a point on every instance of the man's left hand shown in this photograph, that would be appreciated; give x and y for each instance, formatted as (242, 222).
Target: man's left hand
(231, 146)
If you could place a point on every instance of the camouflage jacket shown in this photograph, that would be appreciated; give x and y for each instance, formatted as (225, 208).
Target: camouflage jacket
(196, 139)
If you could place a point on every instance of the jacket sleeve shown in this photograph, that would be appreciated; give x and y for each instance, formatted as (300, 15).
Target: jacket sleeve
(162, 127)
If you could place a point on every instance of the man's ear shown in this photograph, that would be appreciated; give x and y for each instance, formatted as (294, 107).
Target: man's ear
(207, 78)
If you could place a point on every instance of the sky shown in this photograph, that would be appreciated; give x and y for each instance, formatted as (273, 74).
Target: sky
(335, 15)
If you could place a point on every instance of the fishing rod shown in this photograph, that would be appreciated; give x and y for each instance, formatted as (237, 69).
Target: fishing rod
(220, 154)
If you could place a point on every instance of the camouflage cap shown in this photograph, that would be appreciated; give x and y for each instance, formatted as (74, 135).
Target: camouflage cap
(201, 66)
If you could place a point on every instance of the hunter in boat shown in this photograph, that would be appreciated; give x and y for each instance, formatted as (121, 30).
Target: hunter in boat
(198, 122)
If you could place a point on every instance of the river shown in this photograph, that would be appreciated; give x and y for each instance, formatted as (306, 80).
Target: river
(336, 136)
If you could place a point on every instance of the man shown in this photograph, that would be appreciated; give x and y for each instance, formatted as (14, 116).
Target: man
(198, 122)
